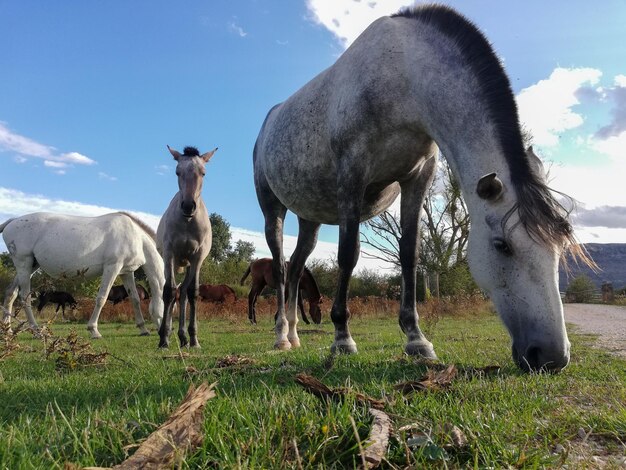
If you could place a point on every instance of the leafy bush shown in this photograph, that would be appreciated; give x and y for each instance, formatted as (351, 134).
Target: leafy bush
(580, 290)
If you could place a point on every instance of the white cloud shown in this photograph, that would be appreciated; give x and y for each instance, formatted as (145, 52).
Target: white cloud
(53, 164)
(104, 176)
(546, 108)
(614, 146)
(75, 157)
(25, 147)
(162, 169)
(235, 28)
(620, 80)
(346, 19)
(15, 203)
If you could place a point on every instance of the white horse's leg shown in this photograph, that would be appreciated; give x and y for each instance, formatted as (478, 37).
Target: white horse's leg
(10, 295)
(413, 193)
(307, 239)
(129, 283)
(192, 295)
(108, 278)
(182, 336)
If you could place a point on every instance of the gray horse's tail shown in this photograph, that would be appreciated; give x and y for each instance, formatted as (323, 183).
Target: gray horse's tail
(245, 275)
(3, 226)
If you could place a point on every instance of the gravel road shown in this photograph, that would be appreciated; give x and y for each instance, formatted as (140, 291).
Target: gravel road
(606, 321)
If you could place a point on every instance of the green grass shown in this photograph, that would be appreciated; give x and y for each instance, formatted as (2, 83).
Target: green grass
(95, 415)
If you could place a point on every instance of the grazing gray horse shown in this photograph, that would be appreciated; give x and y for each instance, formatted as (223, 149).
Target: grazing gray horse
(184, 240)
(341, 149)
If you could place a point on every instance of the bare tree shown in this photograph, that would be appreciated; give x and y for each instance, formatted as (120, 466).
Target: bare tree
(445, 228)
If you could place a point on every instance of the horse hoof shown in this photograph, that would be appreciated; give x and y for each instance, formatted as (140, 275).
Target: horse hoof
(164, 346)
(295, 342)
(344, 347)
(195, 346)
(144, 333)
(421, 348)
(282, 345)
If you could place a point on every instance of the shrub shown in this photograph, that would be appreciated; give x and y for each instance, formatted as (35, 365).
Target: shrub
(580, 290)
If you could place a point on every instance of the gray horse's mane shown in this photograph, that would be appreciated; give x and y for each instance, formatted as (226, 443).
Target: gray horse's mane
(543, 217)
(141, 224)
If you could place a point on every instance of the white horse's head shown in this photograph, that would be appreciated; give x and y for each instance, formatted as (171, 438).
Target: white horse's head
(514, 249)
(190, 172)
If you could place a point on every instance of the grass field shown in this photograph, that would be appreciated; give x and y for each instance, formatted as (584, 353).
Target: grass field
(96, 415)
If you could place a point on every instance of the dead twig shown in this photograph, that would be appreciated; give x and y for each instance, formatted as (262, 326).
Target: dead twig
(432, 380)
(317, 388)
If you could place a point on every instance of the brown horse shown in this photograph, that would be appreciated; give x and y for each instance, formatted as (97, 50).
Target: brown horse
(118, 293)
(261, 270)
(217, 293)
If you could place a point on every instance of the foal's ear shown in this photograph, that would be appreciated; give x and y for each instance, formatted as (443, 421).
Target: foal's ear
(489, 187)
(175, 153)
(207, 156)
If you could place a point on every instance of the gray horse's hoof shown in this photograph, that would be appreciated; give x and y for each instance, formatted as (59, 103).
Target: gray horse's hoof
(345, 346)
(144, 333)
(421, 348)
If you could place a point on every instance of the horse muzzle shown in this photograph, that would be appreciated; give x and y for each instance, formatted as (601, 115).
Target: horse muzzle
(188, 208)
(541, 358)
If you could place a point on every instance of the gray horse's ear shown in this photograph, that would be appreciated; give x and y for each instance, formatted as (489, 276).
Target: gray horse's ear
(175, 153)
(489, 187)
(535, 163)
(207, 156)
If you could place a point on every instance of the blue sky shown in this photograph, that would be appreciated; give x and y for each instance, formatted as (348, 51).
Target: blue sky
(92, 92)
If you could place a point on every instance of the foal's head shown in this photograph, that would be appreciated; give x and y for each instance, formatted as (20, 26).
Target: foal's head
(190, 171)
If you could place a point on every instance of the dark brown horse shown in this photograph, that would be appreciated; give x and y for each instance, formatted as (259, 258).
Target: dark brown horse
(261, 270)
(217, 293)
(118, 293)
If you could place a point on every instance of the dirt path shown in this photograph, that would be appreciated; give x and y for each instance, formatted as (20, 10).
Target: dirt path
(606, 321)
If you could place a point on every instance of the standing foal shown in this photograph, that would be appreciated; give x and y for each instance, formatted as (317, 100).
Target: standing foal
(184, 240)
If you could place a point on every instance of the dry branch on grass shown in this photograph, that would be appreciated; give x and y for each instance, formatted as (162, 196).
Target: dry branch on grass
(317, 388)
(432, 380)
(375, 447)
(174, 438)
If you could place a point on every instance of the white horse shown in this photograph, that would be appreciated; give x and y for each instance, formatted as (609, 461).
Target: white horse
(66, 246)
(341, 149)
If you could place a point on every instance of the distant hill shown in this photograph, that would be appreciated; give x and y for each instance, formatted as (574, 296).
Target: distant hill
(610, 257)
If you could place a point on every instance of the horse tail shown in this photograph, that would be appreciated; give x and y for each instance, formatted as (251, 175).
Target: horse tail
(245, 275)
(3, 226)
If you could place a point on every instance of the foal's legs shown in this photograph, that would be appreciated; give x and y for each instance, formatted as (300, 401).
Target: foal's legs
(169, 300)
(192, 295)
(413, 193)
(307, 238)
(129, 283)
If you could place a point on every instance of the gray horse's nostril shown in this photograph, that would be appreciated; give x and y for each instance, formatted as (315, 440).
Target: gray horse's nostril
(535, 359)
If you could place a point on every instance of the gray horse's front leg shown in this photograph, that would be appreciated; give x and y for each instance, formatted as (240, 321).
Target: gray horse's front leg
(307, 239)
(347, 257)
(274, 212)
(413, 194)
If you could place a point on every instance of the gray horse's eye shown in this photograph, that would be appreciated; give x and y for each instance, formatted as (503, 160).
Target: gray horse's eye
(502, 246)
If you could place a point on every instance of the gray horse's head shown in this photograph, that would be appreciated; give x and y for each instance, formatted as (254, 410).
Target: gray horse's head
(514, 249)
(190, 171)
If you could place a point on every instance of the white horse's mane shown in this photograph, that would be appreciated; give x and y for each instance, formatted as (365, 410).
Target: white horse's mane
(151, 233)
